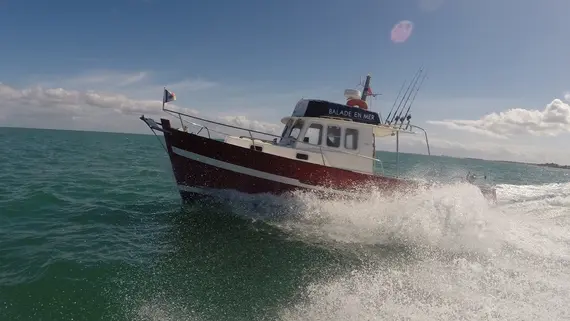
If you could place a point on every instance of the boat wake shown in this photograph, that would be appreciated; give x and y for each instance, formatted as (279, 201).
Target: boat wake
(464, 259)
(440, 217)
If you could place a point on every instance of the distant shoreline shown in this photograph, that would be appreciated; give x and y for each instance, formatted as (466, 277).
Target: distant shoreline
(554, 165)
(551, 165)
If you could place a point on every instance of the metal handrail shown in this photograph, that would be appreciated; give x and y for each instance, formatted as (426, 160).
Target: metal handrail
(426, 135)
(268, 134)
(222, 124)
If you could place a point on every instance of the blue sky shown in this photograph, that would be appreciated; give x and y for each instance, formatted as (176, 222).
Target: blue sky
(482, 56)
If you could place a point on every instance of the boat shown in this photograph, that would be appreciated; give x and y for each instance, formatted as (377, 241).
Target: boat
(325, 147)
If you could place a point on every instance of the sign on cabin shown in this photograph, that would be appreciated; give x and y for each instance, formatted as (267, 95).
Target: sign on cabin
(321, 108)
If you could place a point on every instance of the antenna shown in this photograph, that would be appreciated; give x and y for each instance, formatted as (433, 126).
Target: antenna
(366, 87)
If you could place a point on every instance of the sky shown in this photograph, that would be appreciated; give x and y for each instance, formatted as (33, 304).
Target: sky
(497, 85)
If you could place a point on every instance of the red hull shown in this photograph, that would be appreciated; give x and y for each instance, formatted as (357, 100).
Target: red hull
(201, 164)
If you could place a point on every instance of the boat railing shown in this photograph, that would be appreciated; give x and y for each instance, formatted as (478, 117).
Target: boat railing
(250, 131)
(252, 138)
(425, 134)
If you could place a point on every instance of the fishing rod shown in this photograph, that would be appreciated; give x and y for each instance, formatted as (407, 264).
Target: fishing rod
(402, 99)
(407, 93)
(395, 101)
(408, 116)
(399, 117)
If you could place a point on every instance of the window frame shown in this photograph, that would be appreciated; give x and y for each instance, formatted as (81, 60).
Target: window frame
(339, 136)
(347, 131)
(295, 126)
(320, 129)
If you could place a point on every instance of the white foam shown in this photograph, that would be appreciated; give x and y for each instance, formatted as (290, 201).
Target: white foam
(469, 260)
(436, 289)
(442, 217)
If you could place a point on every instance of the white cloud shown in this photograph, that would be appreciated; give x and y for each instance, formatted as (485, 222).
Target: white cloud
(452, 124)
(34, 102)
(244, 122)
(552, 121)
(37, 106)
(137, 82)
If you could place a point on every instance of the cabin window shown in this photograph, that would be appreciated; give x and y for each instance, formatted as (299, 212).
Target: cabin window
(296, 130)
(314, 134)
(333, 136)
(351, 138)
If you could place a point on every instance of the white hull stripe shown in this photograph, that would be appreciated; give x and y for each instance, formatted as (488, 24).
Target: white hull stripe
(252, 172)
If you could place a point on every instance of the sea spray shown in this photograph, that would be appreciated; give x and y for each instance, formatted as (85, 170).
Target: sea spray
(465, 260)
(452, 216)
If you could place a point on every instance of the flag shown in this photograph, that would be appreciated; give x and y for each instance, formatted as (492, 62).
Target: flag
(369, 92)
(168, 96)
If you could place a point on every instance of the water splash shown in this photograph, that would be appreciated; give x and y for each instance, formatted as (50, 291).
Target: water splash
(466, 259)
(510, 265)
(453, 217)
(437, 289)
(441, 253)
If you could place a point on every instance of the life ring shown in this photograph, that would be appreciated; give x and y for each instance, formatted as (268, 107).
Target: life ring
(357, 102)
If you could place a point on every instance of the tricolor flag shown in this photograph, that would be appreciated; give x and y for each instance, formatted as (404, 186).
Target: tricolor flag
(369, 92)
(168, 96)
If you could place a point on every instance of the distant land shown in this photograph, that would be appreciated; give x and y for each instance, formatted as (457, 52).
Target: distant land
(552, 165)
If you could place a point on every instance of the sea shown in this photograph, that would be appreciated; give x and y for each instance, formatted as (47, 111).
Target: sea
(92, 228)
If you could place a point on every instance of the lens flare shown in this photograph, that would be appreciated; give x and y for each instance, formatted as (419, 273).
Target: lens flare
(402, 31)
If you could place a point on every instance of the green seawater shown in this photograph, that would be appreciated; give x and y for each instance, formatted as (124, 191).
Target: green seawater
(92, 228)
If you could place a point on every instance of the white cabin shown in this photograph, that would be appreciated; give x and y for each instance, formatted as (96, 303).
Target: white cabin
(325, 133)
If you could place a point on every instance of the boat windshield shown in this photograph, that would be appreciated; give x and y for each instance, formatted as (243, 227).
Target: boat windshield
(296, 130)
(291, 131)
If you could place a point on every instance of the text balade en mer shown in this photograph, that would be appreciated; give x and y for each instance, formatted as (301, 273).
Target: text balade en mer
(351, 114)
